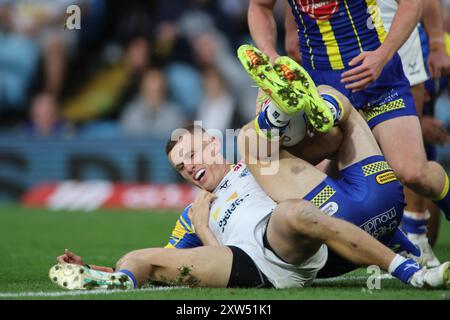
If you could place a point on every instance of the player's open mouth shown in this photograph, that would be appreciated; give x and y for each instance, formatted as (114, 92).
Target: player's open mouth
(199, 174)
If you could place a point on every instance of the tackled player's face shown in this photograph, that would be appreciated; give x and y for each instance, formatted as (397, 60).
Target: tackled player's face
(197, 159)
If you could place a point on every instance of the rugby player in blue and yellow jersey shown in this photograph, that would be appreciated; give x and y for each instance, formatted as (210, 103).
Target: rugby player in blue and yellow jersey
(343, 44)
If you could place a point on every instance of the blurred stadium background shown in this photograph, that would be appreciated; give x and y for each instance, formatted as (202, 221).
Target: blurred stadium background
(84, 114)
(98, 103)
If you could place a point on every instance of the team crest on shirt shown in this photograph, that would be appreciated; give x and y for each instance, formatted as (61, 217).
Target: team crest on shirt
(319, 9)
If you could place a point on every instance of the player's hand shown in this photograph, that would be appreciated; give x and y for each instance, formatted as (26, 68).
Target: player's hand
(70, 257)
(368, 66)
(438, 63)
(433, 131)
(199, 212)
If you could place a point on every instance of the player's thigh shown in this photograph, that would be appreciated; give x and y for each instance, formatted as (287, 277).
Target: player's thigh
(286, 238)
(208, 266)
(358, 142)
(318, 147)
(401, 141)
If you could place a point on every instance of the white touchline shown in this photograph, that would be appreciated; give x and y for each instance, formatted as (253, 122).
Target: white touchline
(385, 276)
(81, 293)
(97, 292)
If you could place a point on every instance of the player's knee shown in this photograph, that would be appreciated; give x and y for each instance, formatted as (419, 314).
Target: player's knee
(133, 257)
(301, 214)
(412, 176)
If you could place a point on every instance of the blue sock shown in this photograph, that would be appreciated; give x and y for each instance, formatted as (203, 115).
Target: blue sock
(264, 123)
(403, 269)
(400, 242)
(130, 275)
(335, 106)
(411, 224)
(443, 200)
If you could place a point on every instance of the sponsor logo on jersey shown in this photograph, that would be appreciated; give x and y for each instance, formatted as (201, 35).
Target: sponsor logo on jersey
(382, 224)
(413, 68)
(330, 208)
(225, 185)
(386, 177)
(234, 205)
(216, 213)
(319, 9)
(237, 167)
(233, 196)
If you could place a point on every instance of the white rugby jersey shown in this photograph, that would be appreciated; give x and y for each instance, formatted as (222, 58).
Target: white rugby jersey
(240, 205)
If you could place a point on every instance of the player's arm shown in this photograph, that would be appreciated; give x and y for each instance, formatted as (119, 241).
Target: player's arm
(70, 257)
(368, 65)
(438, 59)
(199, 215)
(291, 42)
(405, 20)
(262, 26)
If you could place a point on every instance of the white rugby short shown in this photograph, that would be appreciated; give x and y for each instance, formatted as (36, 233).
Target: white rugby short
(278, 272)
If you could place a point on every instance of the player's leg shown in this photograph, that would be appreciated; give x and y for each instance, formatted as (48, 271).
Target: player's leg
(276, 170)
(401, 138)
(358, 142)
(297, 229)
(415, 217)
(180, 266)
(202, 266)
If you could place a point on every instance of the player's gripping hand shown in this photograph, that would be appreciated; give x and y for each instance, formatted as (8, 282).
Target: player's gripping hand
(70, 257)
(368, 66)
(199, 215)
(199, 211)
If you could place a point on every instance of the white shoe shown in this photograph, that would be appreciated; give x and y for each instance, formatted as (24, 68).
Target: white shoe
(76, 277)
(438, 277)
(427, 257)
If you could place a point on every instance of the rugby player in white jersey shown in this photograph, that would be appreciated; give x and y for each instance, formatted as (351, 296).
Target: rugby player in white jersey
(251, 240)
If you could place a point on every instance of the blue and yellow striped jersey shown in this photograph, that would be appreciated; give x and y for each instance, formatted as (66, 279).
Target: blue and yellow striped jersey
(333, 32)
(183, 235)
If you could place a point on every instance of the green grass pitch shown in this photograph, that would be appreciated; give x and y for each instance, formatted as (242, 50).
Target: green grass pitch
(30, 240)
